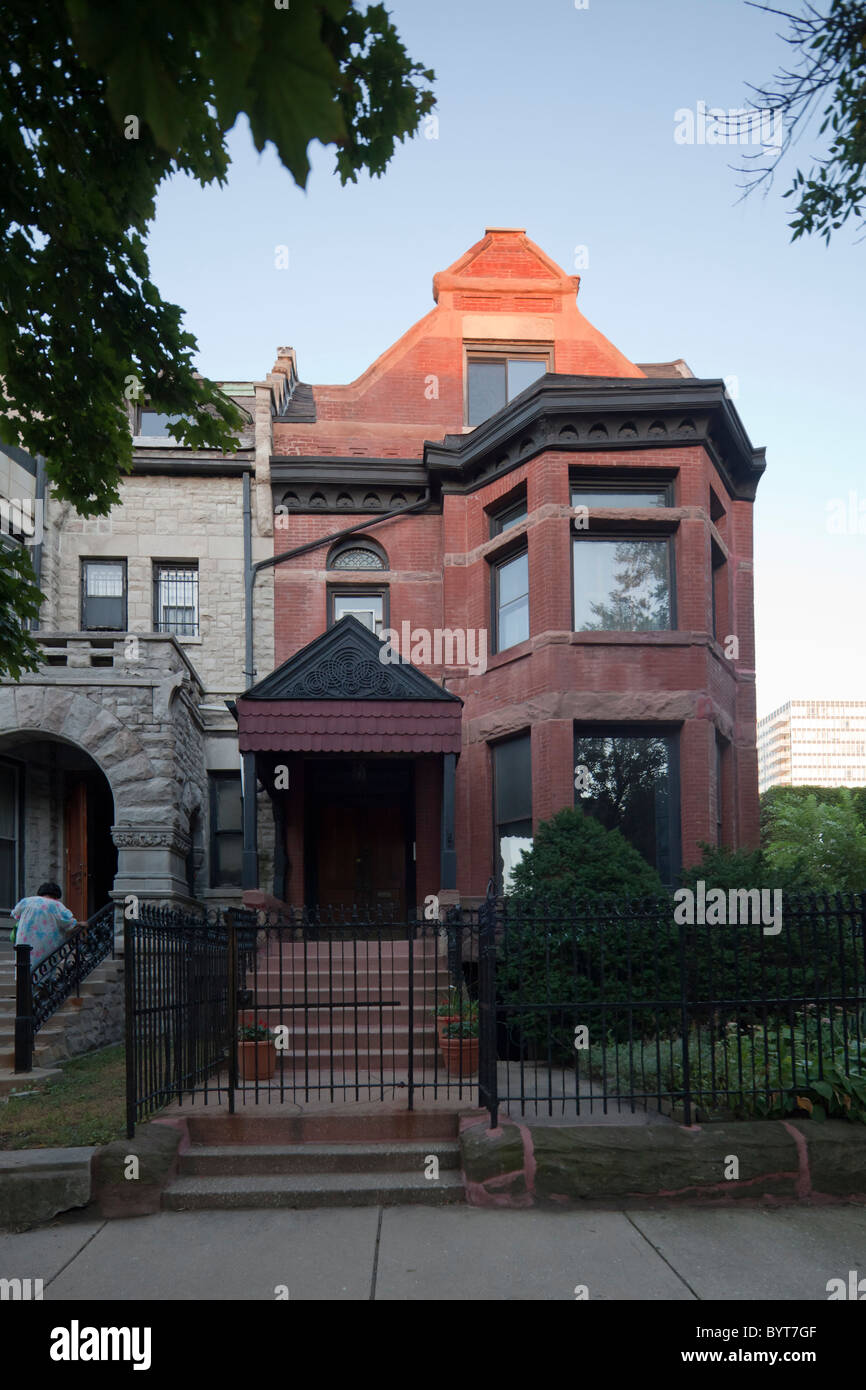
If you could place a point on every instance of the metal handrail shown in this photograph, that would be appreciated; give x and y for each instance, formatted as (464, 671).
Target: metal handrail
(42, 989)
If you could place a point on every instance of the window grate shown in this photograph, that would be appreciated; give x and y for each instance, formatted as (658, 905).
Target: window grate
(176, 607)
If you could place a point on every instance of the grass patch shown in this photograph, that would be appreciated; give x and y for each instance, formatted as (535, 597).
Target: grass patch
(86, 1105)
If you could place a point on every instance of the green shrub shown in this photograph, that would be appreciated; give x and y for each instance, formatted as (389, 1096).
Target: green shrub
(574, 856)
(811, 1062)
(817, 953)
(585, 924)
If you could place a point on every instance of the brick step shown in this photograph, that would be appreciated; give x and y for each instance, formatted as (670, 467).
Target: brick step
(350, 1060)
(230, 1160)
(296, 1012)
(429, 968)
(349, 946)
(320, 1024)
(345, 1126)
(349, 983)
(312, 1190)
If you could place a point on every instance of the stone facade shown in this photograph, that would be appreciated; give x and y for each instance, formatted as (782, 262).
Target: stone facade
(144, 710)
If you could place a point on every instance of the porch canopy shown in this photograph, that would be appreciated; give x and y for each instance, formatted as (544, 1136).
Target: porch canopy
(337, 695)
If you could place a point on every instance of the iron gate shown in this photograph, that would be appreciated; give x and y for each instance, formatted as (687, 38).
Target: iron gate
(348, 1006)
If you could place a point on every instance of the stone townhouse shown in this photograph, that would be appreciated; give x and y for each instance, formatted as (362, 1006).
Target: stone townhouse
(119, 765)
(554, 545)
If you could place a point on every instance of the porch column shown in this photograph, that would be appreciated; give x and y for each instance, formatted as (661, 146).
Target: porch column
(448, 876)
(250, 862)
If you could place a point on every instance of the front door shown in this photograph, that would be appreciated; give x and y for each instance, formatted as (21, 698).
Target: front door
(360, 835)
(76, 849)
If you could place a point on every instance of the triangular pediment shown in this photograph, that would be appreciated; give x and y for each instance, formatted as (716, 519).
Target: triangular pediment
(506, 255)
(345, 663)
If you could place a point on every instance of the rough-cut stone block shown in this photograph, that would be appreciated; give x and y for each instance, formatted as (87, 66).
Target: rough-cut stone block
(8, 716)
(155, 1147)
(36, 1184)
(29, 705)
(601, 1162)
(489, 1154)
(836, 1156)
(79, 721)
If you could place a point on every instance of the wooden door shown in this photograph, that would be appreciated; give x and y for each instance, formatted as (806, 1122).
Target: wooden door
(362, 858)
(76, 849)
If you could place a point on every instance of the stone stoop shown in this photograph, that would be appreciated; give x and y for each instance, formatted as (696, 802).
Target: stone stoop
(235, 1163)
(77, 1026)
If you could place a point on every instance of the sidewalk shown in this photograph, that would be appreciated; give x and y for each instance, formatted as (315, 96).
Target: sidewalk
(412, 1253)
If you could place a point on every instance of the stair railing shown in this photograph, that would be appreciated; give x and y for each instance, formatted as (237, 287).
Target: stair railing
(40, 991)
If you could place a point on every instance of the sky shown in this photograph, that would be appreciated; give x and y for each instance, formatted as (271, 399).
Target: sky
(562, 120)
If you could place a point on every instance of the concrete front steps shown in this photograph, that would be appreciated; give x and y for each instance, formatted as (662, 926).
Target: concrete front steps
(326, 1160)
(51, 1040)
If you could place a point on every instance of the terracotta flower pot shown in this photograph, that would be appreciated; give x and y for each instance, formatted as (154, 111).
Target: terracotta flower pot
(257, 1061)
(443, 1022)
(460, 1055)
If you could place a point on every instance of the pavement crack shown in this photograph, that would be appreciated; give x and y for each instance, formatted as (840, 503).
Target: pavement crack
(643, 1235)
(376, 1256)
(74, 1256)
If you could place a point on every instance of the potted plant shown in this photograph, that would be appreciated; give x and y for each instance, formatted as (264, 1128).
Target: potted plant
(257, 1051)
(459, 1044)
(454, 1007)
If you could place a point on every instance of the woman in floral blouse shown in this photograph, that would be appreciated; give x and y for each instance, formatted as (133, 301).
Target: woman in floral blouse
(43, 922)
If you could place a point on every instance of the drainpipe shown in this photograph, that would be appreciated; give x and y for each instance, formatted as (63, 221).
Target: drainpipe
(250, 857)
(249, 581)
(40, 510)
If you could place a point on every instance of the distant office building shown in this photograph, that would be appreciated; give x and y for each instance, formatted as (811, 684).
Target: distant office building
(818, 743)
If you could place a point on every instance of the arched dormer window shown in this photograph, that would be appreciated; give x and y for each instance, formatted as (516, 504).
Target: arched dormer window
(357, 553)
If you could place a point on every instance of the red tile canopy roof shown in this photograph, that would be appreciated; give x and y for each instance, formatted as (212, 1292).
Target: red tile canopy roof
(349, 726)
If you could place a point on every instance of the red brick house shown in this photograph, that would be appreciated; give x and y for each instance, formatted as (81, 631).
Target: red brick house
(568, 578)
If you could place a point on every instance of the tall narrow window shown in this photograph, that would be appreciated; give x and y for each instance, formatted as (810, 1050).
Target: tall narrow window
(629, 780)
(226, 830)
(10, 817)
(720, 790)
(719, 584)
(103, 595)
(511, 601)
(175, 599)
(512, 797)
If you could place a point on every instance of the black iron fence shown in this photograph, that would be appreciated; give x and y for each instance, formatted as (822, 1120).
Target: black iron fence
(633, 1004)
(556, 1008)
(176, 973)
(41, 990)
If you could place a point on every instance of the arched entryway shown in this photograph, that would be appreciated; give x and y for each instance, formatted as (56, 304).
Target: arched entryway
(56, 814)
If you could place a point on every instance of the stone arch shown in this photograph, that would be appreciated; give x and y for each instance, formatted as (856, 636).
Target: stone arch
(76, 718)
